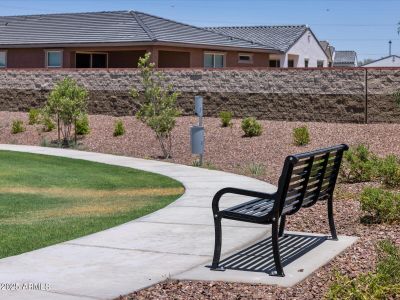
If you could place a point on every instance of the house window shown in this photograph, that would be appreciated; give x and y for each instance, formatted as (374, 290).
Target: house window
(3, 59)
(320, 63)
(91, 60)
(275, 63)
(214, 60)
(54, 59)
(290, 63)
(306, 63)
(245, 58)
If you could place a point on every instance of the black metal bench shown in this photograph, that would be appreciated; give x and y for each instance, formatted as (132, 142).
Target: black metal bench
(306, 178)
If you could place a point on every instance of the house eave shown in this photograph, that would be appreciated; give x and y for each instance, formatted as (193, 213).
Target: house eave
(137, 44)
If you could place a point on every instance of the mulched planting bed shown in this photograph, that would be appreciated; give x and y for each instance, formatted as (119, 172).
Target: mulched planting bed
(228, 150)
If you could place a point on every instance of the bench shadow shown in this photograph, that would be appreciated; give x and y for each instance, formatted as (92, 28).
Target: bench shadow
(259, 257)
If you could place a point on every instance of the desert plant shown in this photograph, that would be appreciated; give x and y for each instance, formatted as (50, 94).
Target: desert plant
(301, 136)
(34, 116)
(205, 165)
(82, 125)
(17, 127)
(359, 165)
(251, 127)
(380, 205)
(396, 96)
(48, 124)
(389, 171)
(255, 169)
(45, 143)
(66, 103)
(226, 118)
(384, 283)
(159, 110)
(119, 128)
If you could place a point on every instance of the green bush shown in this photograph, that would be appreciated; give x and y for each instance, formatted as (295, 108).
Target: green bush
(205, 165)
(359, 165)
(17, 127)
(48, 124)
(66, 102)
(384, 283)
(119, 128)
(82, 125)
(226, 118)
(301, 136)
(255, 169)
(251, 127)
(159, 109)
(380, 205)
(389, 171)
(34, 116)
(396, 96)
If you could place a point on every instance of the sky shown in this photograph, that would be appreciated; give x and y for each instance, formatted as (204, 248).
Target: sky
(365, 26)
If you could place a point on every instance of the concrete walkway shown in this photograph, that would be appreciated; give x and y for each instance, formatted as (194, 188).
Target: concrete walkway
(140, 253)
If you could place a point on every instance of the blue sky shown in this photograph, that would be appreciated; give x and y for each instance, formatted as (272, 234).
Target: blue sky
(362, 25)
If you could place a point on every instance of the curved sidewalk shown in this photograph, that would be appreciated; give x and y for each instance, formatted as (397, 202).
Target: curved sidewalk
(142, 252)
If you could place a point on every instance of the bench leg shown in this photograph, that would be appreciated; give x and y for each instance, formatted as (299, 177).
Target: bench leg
(330, 217)
(275, 249)
(217, 248)
(282, 226)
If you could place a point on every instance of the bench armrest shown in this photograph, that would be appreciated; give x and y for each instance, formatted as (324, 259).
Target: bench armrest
(230, 190)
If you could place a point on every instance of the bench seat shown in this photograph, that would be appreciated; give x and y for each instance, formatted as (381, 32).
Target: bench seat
(254, 211)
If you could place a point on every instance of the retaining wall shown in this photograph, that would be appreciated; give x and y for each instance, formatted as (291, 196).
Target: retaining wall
(329, 95)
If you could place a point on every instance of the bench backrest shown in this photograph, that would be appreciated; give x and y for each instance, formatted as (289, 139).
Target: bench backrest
(308, 177)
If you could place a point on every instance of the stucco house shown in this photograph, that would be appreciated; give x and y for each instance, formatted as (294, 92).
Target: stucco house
(298, 46)
(345, 59)
(388, 61)
(117, 40)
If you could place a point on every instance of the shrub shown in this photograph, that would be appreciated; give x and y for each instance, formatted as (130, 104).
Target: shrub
(226, 118)
(34, 116)
(359, 165)
(119, 128)
(381, 205)
(251, 127)
(384, 283)
(48, 124)
(82, 125)
(205, 165)
(17, 127)
(301, 136)
(389, 171)
(67, 101)
(397, 97)
(159, 110)
(256, 169)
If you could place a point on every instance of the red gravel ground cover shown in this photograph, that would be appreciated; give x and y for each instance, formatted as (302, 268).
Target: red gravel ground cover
(228, 150)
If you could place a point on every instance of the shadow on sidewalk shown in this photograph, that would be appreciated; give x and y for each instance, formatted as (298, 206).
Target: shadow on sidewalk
(259, 257)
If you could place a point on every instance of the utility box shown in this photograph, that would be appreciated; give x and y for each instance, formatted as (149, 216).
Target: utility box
(198, 106)
(197, 139)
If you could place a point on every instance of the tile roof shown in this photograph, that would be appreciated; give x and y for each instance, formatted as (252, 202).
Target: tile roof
(329, 50)
(109, 27)
(280, 37)
(343, 58)
(382, 59)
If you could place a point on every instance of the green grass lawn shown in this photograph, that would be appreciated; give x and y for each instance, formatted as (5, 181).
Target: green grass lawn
(46, 200)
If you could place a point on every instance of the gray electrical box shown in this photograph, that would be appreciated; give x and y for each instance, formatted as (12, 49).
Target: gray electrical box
(197, 139)
(198, 106)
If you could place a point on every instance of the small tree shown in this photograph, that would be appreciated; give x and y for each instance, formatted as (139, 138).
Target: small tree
(159, 110)
(66, 103)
